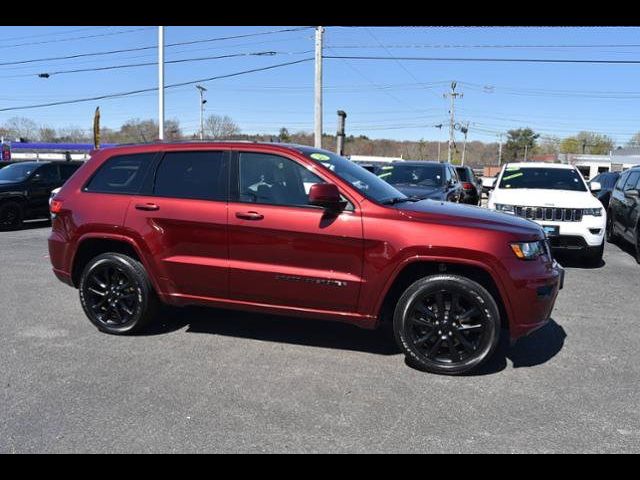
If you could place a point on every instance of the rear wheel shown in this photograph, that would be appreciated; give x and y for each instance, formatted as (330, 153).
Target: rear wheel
(116, 294)
(447, 324)
(11, 216)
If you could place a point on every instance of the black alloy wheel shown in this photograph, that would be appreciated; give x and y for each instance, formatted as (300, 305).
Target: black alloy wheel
(609, 232)
(447, 324)
(116, 294)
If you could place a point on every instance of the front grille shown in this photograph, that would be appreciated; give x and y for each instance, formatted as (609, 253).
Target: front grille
(550, 213)
(568, 242)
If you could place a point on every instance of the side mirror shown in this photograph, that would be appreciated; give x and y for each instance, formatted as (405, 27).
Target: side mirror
(632, 194)
(595, 186)
(326, 195)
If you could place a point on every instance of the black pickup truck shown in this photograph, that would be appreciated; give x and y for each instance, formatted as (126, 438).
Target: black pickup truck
(25, 188)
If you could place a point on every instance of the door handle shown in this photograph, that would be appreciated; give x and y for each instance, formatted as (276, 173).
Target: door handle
(249, 215)
(148, 207)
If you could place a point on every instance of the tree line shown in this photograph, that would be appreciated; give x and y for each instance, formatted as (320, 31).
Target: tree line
(518, 142)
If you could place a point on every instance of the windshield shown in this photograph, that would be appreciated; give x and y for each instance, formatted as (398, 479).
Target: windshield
(363, 180)
(414, 175)
(542, 178)
(16, 172)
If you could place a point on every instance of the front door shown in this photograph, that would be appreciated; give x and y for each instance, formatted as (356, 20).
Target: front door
(283, 251)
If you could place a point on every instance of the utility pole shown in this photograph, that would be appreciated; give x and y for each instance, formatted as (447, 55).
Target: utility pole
(318, 89)
(525, 151)
(453, 95)
(202, 102)
(340, 135)
(440, 127)
(500, 151)
(160, 83)
(464, 130)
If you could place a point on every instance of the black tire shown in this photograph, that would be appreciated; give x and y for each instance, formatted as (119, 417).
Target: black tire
(593, 255)
(11, 216)
(609, 232)
(422, 332)
(116, 294)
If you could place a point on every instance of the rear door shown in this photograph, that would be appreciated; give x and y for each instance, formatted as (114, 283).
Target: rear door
(181, 219)
(628, 205)
(616, 204)
(45, 179)
(283, 251)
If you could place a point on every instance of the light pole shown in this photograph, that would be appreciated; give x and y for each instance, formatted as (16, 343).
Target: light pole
(201, 89)
(318, 90)
(440, 127)
(465, 130)
(161, 83)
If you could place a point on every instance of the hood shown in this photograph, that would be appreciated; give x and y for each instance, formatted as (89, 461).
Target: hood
(470, 216)
(419, 191)
(526, 197)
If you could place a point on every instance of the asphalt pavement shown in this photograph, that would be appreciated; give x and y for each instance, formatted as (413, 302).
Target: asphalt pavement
(218, 381)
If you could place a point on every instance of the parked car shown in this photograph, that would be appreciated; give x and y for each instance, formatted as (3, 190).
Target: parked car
(607, 181)
(471, 186)
(25, 188)
(231, 225)
(624, 210)
(422, 180)
(556, 197)
(487, 184)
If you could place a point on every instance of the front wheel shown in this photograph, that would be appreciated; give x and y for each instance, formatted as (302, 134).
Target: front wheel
(116, 294)
(610, 233)
(447, 324)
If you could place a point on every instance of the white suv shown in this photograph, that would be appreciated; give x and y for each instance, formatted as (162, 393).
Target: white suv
(556, 197)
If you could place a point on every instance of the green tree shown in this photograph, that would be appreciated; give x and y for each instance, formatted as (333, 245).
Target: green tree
(519, 141)
(587, 142)
(284, 136)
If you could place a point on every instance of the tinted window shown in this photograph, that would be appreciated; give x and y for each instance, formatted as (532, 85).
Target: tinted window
(631, 182)
(66, 170)
(463, 175)
(197, 175)
(48, 174)
(426, 175)
(274, 180)
(121, 174)
(17, 172)
(542, 178)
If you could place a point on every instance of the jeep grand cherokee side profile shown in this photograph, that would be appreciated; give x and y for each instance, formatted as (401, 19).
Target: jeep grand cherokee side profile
(296, 231)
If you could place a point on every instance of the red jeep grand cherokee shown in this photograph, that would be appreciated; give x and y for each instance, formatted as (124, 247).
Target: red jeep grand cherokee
(298, 231)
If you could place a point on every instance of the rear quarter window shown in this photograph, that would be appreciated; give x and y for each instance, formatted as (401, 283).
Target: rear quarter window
(121, 174)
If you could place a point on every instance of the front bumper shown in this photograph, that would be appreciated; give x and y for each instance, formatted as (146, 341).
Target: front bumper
(533, 296)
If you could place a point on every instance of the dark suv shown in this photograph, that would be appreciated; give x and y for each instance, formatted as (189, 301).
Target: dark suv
(471, 186)
(422, 180)
(25, 188)
(623, 215)
(293, 230)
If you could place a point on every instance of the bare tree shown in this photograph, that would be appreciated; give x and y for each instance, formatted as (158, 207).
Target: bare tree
(219, 127)
(21, 127)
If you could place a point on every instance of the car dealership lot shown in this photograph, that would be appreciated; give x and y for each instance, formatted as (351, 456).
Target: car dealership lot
(217, 381)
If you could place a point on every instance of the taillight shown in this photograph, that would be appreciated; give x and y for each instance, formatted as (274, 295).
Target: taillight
(467, 186)
(56, 206)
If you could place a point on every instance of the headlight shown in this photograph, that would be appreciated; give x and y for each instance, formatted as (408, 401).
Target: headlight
(528, 250)
(504, 208)
(594, 212)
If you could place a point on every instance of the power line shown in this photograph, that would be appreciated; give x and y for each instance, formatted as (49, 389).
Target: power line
(505, 60)
(109, 34)
(496, 46)
(146, 64)
(63, 32)
(152, 89)
(151, 47)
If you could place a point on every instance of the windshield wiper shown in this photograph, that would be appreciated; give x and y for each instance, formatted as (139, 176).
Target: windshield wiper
(395, 200)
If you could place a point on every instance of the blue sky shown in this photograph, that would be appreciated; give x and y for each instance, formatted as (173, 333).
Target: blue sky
(383, 99)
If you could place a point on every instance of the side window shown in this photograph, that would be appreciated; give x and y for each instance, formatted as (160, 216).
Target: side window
(447, 174)
(272, 179)
(631, 182)
(66, 170)
(197, 175)
(620, 182)
(49, 174)
(121, 174)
